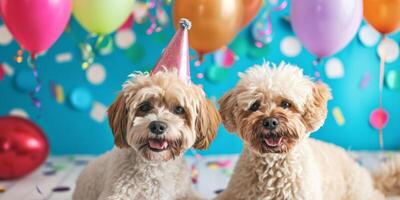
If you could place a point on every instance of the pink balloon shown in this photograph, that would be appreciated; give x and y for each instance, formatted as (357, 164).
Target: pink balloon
(378, 118)
(36, 24)
(325, 26)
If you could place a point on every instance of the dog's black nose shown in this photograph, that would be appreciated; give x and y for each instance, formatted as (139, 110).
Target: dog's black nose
(270, 123)
(158, 127)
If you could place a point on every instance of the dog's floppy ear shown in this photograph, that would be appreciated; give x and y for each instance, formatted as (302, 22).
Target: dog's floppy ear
(117, 118)
(207, 123)
(227, 106)
(316, 108)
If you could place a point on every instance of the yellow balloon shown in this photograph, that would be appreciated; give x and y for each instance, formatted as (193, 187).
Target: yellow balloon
(102, 16)
(214, 22)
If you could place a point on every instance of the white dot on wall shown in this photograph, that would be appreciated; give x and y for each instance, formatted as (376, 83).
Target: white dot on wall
(96, 74)
(334, 68)
(388, 49)
(125, 38)
(5, 35)
(368, 36)
(98, 112)
(290, 46)
(63, 57)
(19, 112)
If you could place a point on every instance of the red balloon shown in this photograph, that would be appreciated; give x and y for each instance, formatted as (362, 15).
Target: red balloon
(23, 147)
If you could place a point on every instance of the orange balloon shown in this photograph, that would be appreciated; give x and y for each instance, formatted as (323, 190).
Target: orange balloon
(214, 22)
(250, 10)
(383, 15)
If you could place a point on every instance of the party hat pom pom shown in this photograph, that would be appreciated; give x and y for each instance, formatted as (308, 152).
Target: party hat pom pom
(185, 23)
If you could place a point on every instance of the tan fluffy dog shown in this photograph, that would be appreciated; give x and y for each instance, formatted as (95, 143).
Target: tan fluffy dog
(274, 110)
(154, 120)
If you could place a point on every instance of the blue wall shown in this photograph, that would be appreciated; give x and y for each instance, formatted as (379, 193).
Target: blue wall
(72, 131)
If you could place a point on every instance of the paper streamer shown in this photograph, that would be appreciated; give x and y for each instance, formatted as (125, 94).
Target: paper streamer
(35, 100)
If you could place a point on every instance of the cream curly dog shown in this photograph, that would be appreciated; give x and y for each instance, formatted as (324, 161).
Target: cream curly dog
(274, 110)
(154, 120)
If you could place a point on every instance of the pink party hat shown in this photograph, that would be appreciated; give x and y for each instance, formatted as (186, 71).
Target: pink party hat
(176, 54)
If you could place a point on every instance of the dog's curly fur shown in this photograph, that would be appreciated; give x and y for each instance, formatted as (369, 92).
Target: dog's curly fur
(146, 165)
(283, 162)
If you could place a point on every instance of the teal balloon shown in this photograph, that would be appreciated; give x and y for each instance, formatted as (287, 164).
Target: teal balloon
(393, 80)
(240, 45)
(256, 52)
(216, 74)
(25, 81)
(81, 99)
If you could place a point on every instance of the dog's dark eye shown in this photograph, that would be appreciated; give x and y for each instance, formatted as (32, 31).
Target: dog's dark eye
(179, 110)
(255, 106)
(285, 104)
(145, 107)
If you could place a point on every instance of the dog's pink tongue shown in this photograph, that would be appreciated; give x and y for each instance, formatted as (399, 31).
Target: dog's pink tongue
(158, 144)
(273, 142)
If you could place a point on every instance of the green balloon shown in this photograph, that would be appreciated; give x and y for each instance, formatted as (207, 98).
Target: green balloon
(393, 80)
(240, 45)
(102, 16)
(256, 52)
(216, 74)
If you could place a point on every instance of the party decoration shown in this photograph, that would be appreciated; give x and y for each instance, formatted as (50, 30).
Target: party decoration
(36, 25)
(128, 24)
(325, 27)
(125, 38)
(262, 28)
(383, 15)
(102, 16)
(240, 45)
(388, 50)
(224, 57)
(5, 36)
(7, 69)
(216, 74)
(64, 57)
(368, 36)
(136, 52)
(2, 73)
(23, 147)
(290, 46)
(250, 10)
(98, 112)
(19, 112)
(379, 118)
(80, 99)
(57, 92)
(334, 68)
(393, 80)
(338, 115)
(258, 52)
(24, 80)
(96, 74)
(365, 80)
(215, 22)
(176, 54)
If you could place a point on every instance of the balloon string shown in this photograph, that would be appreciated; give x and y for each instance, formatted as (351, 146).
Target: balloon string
(153, 4)
(317, 75)
(268, 30)
(33, 94)
(381, 76)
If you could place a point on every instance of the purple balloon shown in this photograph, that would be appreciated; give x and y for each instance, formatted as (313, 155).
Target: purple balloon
(325, 26)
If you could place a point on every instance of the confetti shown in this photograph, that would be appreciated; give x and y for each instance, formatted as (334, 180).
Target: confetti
(290, 46)
(98, 112)
(19, 112)
(379, 118)
(390, 49)
(125, 38)
(57, 92)
(368, 36)
(61, 189)
(80, 99)
(224, 57)
(365, 80)
(96, 74)
(218, 191)
(393, 80)
(63, 57)
(5, 35)
(58, 167)
(338, 115)
(81, 162)
(216, 74)
(7, 69)
(50, 172)
(200, 75)
(2, 72)
(140, 11)
(334, 68)
(194, 174)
